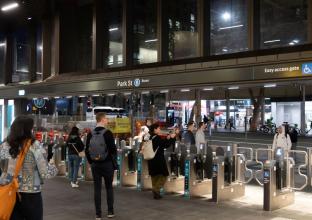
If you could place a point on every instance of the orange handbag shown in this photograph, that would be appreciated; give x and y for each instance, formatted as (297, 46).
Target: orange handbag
(8, 192)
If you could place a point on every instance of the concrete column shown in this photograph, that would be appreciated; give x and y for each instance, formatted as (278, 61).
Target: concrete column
(227, 97)
(5, 118)
(303, 126)
(262, 111)
(198, 106)
(309, 21)
(46, 48)
(8, 59)
(55, 53)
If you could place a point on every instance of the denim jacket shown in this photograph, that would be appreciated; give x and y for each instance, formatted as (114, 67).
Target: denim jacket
(35, 168)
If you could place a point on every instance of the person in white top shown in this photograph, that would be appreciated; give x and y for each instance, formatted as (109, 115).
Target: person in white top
(281, 139)
(200, 135)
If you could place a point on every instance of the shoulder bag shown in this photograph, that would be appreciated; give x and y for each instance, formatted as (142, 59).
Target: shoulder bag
(147, 149)
(80, 154)
(9, 192)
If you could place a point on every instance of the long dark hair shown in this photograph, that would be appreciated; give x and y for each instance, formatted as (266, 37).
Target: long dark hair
(21, 129)
(74, 131)
(152, 128)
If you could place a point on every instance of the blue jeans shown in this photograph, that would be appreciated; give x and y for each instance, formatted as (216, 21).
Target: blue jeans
(73, 167)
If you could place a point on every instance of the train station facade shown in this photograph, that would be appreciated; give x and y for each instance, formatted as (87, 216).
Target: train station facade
(151, 56)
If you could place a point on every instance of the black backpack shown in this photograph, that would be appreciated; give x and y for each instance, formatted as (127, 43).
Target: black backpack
(98, 148)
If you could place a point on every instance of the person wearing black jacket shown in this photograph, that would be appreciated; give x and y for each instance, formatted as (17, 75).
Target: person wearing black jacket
(157, 167)
(103, 168)
(74, 145)
(189, 135)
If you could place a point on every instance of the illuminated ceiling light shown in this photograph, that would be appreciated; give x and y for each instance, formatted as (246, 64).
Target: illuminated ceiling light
(291, 43)
(56, 97)
(21, 92)
(95, 95)
(29, 18)
(233, 87)
(127, 93)
(267, 98)
(151, 40)
(226, 16)
(46, 98)
(231, 27)
(2, 44)
(271, 41)
(69, 97)
(225, 50)
(270, 85)
(145, 92)
(296, 41)
(82, 96)
(9, 7)
(35, 98)
(185, 90)
(111, 94)
(113, 29)
(164, 91)
(208, 89)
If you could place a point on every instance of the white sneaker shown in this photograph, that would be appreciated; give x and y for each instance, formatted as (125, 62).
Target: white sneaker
(73, 185)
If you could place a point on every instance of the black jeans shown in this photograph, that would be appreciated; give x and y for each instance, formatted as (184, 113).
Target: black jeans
(105, 170)
(29, 208)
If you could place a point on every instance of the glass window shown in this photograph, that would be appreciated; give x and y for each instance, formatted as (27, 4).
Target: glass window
(145, 31)
(2, 60)
(112, 17)
(282, 23)
(229, 29)
(22, 54)
(182, 33)
(76, 35)
(39, 48)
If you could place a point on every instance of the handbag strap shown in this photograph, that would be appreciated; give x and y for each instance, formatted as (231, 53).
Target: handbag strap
(75, 148)
(21, 158)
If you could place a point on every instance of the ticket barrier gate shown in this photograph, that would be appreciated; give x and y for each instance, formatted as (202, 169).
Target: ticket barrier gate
(228, 179)
(198, 171)
(59, 155)
(128, 163)
(278, 180)
(175, 180)
(144, 180)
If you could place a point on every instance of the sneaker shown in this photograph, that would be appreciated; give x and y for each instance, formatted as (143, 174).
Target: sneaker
(110, 214)
(98, 218)
(74, 185)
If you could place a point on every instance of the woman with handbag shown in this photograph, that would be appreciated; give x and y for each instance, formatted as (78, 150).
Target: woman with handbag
(75, 153)
(26, 168)
(157, 167)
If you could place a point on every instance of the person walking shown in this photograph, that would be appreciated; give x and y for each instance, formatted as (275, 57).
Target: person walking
(200, 135)
(101, 153)
(157, 167)
(281, 139)
(34, 169)
(188, 135)
(75, 146)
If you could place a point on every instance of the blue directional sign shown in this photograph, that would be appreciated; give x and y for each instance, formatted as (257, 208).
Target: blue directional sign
(307, 68)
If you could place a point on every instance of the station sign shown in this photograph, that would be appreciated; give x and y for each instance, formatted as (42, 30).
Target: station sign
(130, 83)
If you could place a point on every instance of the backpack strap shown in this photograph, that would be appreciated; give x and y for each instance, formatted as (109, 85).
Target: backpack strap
(21, 158)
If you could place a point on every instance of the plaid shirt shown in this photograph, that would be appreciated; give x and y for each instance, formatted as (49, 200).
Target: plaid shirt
(35, 168)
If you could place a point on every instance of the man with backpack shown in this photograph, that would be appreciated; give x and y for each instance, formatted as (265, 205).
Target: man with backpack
(101, 153)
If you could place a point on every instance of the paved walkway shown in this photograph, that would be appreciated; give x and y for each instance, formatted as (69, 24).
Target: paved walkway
(61, 202)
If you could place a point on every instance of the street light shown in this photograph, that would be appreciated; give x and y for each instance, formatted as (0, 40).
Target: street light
(9, 6)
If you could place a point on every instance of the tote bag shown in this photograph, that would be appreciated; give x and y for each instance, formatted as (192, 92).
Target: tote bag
(148, 151)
